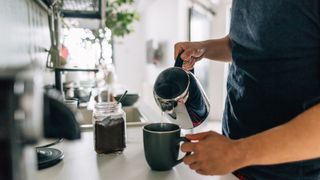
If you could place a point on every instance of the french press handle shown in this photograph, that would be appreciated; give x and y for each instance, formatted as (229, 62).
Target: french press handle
(179, 62)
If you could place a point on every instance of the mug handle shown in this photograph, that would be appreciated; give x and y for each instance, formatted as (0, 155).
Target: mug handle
(184, 139)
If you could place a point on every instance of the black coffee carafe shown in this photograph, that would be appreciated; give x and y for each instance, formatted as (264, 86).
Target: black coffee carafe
(180, 95)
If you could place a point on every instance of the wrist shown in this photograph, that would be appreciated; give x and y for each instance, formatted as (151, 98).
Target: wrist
(203, 45)
(242, 153)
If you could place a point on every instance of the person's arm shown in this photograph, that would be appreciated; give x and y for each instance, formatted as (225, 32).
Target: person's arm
(296, 140)
(215, 49)
(218, 49)
(214, 154)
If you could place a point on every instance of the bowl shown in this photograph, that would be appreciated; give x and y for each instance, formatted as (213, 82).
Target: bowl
(128, 100)
(82, 94)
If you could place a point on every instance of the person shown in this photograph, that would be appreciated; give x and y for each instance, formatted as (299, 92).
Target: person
(271, 121)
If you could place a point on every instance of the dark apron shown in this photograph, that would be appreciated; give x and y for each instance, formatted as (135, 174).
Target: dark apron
(275, 75)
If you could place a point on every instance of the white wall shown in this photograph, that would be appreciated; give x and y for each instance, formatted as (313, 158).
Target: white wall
(129, 55)
(166, 21)
(218, 70)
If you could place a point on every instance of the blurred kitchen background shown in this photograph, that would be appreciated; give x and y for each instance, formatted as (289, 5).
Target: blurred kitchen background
(84, 48)
(135, 58)
(141, 55)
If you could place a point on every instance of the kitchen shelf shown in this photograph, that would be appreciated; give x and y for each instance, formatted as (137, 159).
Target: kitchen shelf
(76, 69)
(82, 9)
(57, 72)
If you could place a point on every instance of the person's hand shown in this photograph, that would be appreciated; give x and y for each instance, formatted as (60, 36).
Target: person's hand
(191, 53)
(212, 154)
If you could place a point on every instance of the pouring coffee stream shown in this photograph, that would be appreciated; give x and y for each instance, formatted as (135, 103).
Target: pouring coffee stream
(181, 97)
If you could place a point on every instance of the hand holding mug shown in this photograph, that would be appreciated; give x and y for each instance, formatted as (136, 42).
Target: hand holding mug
(213, 153)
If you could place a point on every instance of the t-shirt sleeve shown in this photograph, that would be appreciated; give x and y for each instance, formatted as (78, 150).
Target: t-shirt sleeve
(312, 102)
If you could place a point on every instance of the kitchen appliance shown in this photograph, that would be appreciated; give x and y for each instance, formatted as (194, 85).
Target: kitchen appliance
(59, 122)
(180, 95)
(26, 116)
(20, 121)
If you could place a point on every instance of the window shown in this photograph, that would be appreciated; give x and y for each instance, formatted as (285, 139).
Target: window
(86, 47)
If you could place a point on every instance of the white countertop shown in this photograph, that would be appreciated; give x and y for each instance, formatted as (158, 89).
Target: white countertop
(82, 163)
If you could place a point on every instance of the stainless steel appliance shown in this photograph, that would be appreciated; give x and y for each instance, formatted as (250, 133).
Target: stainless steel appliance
(180, 95)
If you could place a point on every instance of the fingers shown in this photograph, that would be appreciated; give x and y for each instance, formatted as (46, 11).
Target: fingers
(199, 168)
(190, 159)
(188, 54)
(202, 172)
(179, 48)
(199, 136)
(188, 65)
(187, 147)
(195, 166)
(191, 53)
(189, 49)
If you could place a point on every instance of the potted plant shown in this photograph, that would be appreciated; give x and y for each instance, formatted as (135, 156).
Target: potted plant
(119, 19)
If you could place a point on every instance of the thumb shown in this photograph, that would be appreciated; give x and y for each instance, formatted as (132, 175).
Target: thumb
(198, 136)
(198, 53)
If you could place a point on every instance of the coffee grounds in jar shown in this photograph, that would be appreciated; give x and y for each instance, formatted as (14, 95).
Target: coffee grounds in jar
(110, 135)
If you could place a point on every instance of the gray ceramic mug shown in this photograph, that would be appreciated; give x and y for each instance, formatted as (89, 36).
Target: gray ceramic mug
(161, 145)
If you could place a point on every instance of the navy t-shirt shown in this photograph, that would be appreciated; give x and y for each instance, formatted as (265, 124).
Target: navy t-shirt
(275, 74)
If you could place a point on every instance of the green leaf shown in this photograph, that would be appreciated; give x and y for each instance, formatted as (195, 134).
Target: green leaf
(119, 18)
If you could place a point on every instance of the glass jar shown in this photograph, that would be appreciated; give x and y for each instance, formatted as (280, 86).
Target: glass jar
(109, 127)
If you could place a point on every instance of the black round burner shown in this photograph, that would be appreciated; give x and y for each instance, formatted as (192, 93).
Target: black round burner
(48, 157)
